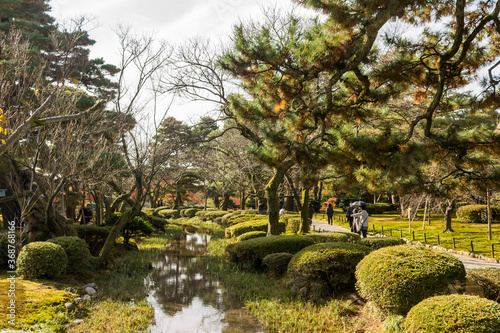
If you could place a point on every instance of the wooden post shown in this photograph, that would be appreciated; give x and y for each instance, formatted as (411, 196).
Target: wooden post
(400, 233)
(438, 240)
(425, 238)
(471, 247)
(454, 246)
(493, 250)
(413, 232)
(373, 225)
(390, 232)
(488, 199)
(382, 230)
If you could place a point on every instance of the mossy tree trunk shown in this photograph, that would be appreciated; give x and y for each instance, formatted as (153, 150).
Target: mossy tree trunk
(273, 198)
(448, 215)
(304, 211)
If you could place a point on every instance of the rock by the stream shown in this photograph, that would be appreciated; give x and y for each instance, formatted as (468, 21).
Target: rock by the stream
(70, 306)
(90, 291)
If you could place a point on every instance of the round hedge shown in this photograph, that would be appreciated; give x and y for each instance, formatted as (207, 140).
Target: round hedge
(329, 237)
(77, 251)
(276, 264)
(477, 213)
(250, 235)
(396, 278)
(320, 270)
(158, 223)
(250, 253)
(191, 212)
(488, 279)
(252, 225)
(42, 259)
(380, 242)
(454, 314)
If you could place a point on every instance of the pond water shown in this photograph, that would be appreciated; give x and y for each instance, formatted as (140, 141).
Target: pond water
(188, 298)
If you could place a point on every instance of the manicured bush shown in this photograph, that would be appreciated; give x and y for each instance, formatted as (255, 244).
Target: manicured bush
(182, 212)
(245, 218)
(250, 235)
(249, 211)
(168, 213)
(77, 251)
(253, 225)
(201, 214)
(454, 314)
(477, 213)
(148, 211)
(322, 269)
(329, 237)
(488, 279)
(190, 212)
(380, 242)
(212, 215)
(94, 236)
(225, 219)
(396, 278)
(293, 224)
(136, 226)
(157, 222)
(112, 219)
(250, 253)
(379, 208)
(42, 259)
(352, 237)
(276, 264)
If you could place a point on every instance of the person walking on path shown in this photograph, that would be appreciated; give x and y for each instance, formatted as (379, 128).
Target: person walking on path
(351, 210)
(329, 213)
(362, 224)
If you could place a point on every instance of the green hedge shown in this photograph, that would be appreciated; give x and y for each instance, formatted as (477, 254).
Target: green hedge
(158, 223)
(320, 270)
(250, 235)
(94, 236)
(250, 253)
(249, 211)
(379, 208)
(488, 279)
(352, 237)
(168, 213)
(77, 251)
(253, 225)
(329, 237)
(380, 242)
(42, 259)
(245, 218)
(276, 264)
(226, 218)
(477, 213)
(454, 314)
(191, 212)
(396, 278)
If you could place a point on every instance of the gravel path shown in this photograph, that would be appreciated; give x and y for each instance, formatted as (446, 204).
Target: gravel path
(467, 261)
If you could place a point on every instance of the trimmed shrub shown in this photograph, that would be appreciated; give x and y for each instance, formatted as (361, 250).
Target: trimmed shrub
(379, 208)
(182, 212)
(488, 279)
(112, 219)
(190, 212)
(77, 251)
(212, 215)
(253, 225)
(250, 253)
(454, 314)
(276, 264)
(136, 226)
(249, 211)
(396, 278)
(380, 242)
(168, 213)
(158, 223)
(329, 237)
(225, 218)
(320, 270)
(245, 218)
(42, 259)
(293, 224)
(94, 236)
(477, 213)
(250, 235)
(201, 214)
(352, 237)
(148, 211)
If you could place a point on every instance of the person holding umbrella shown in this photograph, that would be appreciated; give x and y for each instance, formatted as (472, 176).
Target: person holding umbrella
(362, 224)
(352, 209)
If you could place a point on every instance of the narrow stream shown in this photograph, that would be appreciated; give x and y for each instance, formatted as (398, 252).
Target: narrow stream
(188, 298)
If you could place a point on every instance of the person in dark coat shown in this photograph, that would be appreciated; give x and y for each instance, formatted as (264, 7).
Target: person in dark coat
(351, 210)
(329, 213)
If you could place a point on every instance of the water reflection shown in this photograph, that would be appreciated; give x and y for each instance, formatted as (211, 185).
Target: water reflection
(188, 298)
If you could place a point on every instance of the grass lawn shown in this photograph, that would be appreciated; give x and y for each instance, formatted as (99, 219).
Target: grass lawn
(463, 233)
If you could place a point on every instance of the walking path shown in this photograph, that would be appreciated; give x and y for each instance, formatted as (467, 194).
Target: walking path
(467, 261)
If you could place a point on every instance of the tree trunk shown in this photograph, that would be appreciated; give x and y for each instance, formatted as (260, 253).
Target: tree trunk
(304, 212)
(272, 196)
(243, 198)
(315, 192)
(320, 191)
(447, 216)
(296, 197)
(225, 202)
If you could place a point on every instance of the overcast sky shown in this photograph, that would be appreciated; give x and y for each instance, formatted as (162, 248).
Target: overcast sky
(172, 20)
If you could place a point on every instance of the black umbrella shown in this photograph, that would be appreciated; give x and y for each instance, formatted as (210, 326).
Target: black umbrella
(358, 203)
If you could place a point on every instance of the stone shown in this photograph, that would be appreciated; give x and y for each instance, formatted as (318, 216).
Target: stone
(91, 285)
(70, 290)
(86, 298)
(70, 306)
(90, 291)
